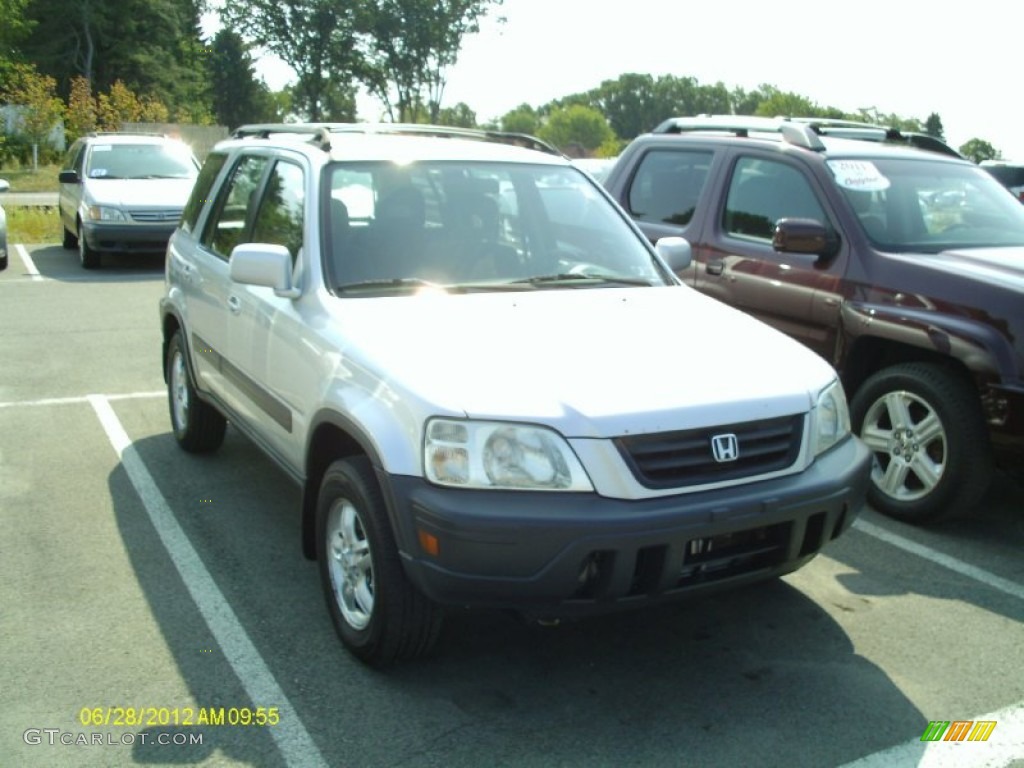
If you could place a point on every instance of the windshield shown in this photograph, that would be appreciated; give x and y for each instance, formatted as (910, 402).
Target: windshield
(927, 206)
(141, 161)
(476, 226)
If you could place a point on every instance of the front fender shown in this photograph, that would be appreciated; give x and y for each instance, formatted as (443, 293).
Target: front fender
(979, 346)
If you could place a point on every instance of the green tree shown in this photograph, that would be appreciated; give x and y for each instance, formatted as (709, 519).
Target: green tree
(14, 28)
(631, 103)
(978, 150)
(576, 129)
(316, 38)
(152, 46)
(80, 116)
(459, 116)
(239, 97)
(933, 126)
(522, 119)
(774, 103)
(122, 105)
(408, 47)
(41, 109)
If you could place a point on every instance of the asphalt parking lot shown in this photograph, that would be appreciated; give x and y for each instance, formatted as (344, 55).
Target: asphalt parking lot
(148, 592)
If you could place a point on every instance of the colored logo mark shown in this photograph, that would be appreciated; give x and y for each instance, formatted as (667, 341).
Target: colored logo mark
(958, 730)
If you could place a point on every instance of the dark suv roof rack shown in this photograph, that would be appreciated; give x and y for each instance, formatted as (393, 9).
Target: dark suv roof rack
(796, 134)
(855, 129)
(320, 133)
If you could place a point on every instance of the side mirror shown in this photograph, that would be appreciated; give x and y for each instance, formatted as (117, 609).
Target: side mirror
(805, 236)
(263, 264)
(68, 177)
(675, 251)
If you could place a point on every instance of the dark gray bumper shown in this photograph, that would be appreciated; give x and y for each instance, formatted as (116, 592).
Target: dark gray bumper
(555, 554)
(129, 238)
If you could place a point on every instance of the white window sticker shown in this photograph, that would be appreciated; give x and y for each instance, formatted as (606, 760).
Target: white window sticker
(858, 174)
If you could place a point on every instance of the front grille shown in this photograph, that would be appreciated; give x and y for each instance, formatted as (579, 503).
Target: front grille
(165, 215)
(686, 458)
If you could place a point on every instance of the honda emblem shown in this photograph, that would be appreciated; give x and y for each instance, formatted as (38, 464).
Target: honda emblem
(725, 448)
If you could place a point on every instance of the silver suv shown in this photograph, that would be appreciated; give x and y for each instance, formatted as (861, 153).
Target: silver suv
(123, 193)
(490, 387)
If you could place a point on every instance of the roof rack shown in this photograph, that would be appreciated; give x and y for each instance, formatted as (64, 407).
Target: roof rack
(316, 133)
(320, 133)
(155, 134)
(855, 129)
(797, 134)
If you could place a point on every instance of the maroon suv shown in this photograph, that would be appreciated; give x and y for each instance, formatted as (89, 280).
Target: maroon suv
(904, 268)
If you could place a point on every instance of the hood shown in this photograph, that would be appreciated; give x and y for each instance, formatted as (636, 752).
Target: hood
(588, 362)
(1002, 266)
(138, 193)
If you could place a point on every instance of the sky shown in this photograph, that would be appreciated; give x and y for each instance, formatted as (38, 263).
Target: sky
(908, 57)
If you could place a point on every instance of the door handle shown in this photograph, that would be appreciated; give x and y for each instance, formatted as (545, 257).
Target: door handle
(715, 267)
(234, 304)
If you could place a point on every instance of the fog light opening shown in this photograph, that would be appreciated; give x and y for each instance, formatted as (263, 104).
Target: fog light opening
(591, 575)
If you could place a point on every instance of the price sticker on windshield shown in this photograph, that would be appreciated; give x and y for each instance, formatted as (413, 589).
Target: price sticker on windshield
(858, 174)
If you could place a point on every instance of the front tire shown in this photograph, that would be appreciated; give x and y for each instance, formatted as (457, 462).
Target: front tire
(70, 241)
(378, 614)
(198, 427)
(89, 258)
(924, 426)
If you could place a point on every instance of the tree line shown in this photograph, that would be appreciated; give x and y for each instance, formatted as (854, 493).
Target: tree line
(97, 63)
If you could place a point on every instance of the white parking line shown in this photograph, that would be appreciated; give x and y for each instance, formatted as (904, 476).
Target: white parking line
(30, 266)
(78, 400)
(970, 571)
(1003, 749)
(291, 736)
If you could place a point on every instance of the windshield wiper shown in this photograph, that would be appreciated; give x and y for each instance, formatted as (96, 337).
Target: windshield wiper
(579, 278)
(390, 283)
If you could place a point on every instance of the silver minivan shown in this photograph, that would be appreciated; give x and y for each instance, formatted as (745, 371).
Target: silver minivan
(123, 193)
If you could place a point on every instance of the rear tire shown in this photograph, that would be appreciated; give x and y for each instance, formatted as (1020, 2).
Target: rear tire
(378, 614)
(198, 427)
(924, 426)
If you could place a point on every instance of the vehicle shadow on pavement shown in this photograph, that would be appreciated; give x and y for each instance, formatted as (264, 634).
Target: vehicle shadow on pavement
(757, 677)
(56, 263)
(989, 538)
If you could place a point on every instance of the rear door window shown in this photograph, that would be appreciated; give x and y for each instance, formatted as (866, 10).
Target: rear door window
(667, 185)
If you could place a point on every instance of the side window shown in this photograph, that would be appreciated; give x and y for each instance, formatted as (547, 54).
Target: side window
(226, 228)
(71, 158)
(201, 190)
(763, 191)
(280, 215)
(667, 186)
(77, 158)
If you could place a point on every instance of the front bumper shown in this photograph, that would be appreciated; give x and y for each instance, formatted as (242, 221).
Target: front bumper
(128, 238)
(1004, 410)
(555, 554)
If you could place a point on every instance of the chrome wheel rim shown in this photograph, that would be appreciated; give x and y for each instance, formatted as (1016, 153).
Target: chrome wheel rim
(179, 392)
(350, 564)
(909, 444)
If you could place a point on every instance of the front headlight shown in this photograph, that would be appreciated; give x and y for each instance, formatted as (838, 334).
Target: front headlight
(484, 454)
(831, 418)
(106, 213)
